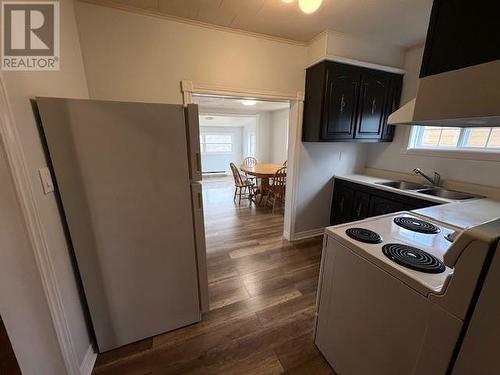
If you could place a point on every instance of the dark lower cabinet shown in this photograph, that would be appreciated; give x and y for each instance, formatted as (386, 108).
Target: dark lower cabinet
(352, 202)
(349, 103)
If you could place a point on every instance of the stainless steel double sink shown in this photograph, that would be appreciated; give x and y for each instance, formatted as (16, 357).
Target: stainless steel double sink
(429, 190)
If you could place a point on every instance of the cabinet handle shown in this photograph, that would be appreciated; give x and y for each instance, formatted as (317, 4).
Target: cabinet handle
(341, 204)
(374, 106)
(358, 211)
(342, 104)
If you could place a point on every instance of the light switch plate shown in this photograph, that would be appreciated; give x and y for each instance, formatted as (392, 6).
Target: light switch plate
(46, 179)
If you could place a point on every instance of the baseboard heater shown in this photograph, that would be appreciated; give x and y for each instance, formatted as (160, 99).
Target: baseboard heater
(214, 174)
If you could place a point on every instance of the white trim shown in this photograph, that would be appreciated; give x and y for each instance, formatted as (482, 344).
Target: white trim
(189, 87)
(169, 17)
(364, 64)
(24, 190)
(308, 234)
(467, 154)
(296, 100)
(294, 145)
(89, 360)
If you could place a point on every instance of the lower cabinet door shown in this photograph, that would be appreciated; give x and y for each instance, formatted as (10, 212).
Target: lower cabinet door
(361, 205)
(382, 206)
(342, 205)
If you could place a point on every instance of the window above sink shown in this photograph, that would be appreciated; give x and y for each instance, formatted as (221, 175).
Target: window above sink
(461, 143)
(487, 139)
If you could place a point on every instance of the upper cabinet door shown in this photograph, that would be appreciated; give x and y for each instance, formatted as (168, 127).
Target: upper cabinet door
(372, 105)
(393, 102)
(461, 33)
(341, 95)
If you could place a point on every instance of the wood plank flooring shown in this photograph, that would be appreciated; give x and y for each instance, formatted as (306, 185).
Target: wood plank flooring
(262, 299)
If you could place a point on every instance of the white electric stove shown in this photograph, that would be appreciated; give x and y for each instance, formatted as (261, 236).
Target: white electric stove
(394, 294)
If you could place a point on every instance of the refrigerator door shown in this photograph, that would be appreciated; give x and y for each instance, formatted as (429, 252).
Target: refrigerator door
(193, 131)
(123, 177)
(201, 248)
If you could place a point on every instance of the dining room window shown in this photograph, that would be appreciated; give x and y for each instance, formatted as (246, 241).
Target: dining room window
(252, 142)
(213, 143)
(459, 139)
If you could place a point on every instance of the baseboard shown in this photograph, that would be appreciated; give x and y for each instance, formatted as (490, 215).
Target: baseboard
(287, 236)
(307, 234)
(89, 360)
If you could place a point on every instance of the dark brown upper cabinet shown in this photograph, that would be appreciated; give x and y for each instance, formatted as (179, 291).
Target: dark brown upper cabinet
(461, 33)
(348, 103)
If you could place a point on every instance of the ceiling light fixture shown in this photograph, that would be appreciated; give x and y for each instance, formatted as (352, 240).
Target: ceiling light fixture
(309, 6)
(248, 102)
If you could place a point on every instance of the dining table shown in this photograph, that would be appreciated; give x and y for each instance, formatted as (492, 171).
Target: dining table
(263, 171)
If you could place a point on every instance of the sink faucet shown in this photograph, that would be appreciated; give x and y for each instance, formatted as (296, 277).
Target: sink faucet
(435, 181)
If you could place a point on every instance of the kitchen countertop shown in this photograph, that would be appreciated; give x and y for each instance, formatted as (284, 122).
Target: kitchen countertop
(461, 214)
(464, 214)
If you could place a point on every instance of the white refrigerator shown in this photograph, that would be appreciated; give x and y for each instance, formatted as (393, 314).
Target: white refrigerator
(127, 175)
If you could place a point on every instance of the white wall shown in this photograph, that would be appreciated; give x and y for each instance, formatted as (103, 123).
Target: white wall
(220, 162)
(26, 313)
(279, 136)
(23, 306)
(391, 156)
(263, 151)
(319, 162)
(152, 55)
(343, 45)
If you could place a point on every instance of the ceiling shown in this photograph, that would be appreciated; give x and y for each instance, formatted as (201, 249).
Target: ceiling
(226, 121)
(211, 104)
(399, 22)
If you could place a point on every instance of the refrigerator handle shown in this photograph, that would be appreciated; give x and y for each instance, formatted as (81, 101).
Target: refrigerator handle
(200, 201)
(193, 135)
(198, 162)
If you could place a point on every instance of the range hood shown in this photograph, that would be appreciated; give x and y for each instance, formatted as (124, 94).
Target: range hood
(468, 97)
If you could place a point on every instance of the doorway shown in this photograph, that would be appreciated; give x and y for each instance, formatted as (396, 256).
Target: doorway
(244, 142)
(247, 228)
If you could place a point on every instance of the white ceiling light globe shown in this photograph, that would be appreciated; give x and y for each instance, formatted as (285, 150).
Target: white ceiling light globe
(248, 102)
(309, 6)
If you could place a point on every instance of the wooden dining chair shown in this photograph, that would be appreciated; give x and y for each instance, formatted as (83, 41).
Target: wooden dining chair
(243, 188)
(250, 161)
(277, 188)
(285, 163)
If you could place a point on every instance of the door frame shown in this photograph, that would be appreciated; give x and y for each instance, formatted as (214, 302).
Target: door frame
(296, 101)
